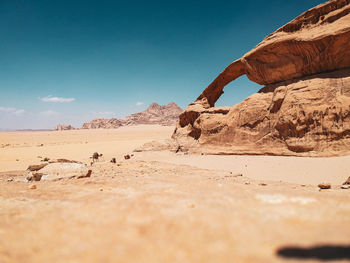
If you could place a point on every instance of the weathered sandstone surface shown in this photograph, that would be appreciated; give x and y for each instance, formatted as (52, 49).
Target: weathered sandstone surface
(166, 115)
(303, 110)
(103, 123)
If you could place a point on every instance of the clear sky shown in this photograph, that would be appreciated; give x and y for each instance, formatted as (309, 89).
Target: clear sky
(68, 61)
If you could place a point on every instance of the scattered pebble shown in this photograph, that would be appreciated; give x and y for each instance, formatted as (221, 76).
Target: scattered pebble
(262, 184)
(33, 186)
(347, 181)
(37, 176)
(127, 157)
(101, 189)
(345, 186)
(85, 176)
(234, 175)
(113, 160)
(10, 180)
(324, 186)
(34, 168)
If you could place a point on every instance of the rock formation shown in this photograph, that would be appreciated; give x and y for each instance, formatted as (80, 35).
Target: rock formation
(101, 123)
(166, 115)
(303, 110)
(61, 127)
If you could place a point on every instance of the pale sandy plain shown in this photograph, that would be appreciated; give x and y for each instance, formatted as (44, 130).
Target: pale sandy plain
(167, 207)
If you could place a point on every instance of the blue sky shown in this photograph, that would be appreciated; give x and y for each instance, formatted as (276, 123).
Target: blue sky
(70, 61)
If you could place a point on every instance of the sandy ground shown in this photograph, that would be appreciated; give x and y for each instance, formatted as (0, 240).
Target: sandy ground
(20, 149)
(163, 207)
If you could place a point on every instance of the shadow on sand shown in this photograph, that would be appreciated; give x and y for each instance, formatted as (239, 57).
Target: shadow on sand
(325, 252)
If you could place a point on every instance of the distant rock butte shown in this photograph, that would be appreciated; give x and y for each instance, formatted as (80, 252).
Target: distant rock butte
(166, 115)
(61, 127)
(303, 110)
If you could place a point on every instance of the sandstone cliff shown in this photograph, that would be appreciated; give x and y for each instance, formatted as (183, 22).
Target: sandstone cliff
(166, 115)
(303, 110)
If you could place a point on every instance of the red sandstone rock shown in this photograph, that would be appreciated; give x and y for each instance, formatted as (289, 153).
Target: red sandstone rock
(101, 123)
(303, 110)
(166, 115)
(36, 167)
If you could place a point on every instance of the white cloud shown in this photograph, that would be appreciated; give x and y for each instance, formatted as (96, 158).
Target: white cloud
(139, 103)
(13, 111)
(56, 99)
(49, 113)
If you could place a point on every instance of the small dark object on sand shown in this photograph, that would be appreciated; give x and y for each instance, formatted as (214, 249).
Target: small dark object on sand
(178, 149)
(34, 168)
(113, 160)
(37, 176)
(96, 156)
(85, 176)
(127, 157)
(347, 181)
(324, 186)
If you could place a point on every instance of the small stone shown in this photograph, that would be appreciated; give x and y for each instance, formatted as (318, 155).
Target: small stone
(127, 157)
(101, 189)
(347, 181)
(324, 186)
(37, 176)
(10, 180)
(345, 186)
(113, 160)
(236, 175)
(86, 175)
(247, 183)
(34, 168)
(29, 177)
(262, 184)
(33, 186)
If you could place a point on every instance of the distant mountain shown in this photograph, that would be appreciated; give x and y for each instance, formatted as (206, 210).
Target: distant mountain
(166, 115)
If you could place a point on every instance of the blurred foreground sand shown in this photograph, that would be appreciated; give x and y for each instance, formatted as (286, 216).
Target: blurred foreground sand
(165, 207)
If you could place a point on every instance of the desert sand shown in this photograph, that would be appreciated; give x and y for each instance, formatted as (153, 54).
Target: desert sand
(167, 207)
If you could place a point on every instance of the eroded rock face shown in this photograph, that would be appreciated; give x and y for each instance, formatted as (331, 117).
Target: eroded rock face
(101, 123)
(303, 110)
(166, 115)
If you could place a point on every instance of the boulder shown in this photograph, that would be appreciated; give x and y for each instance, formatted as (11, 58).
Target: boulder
(304, 108)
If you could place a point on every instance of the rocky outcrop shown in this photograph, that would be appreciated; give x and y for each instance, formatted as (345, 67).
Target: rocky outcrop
(303, 110)
(166, 115)
(61, 127)
(101, 123)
